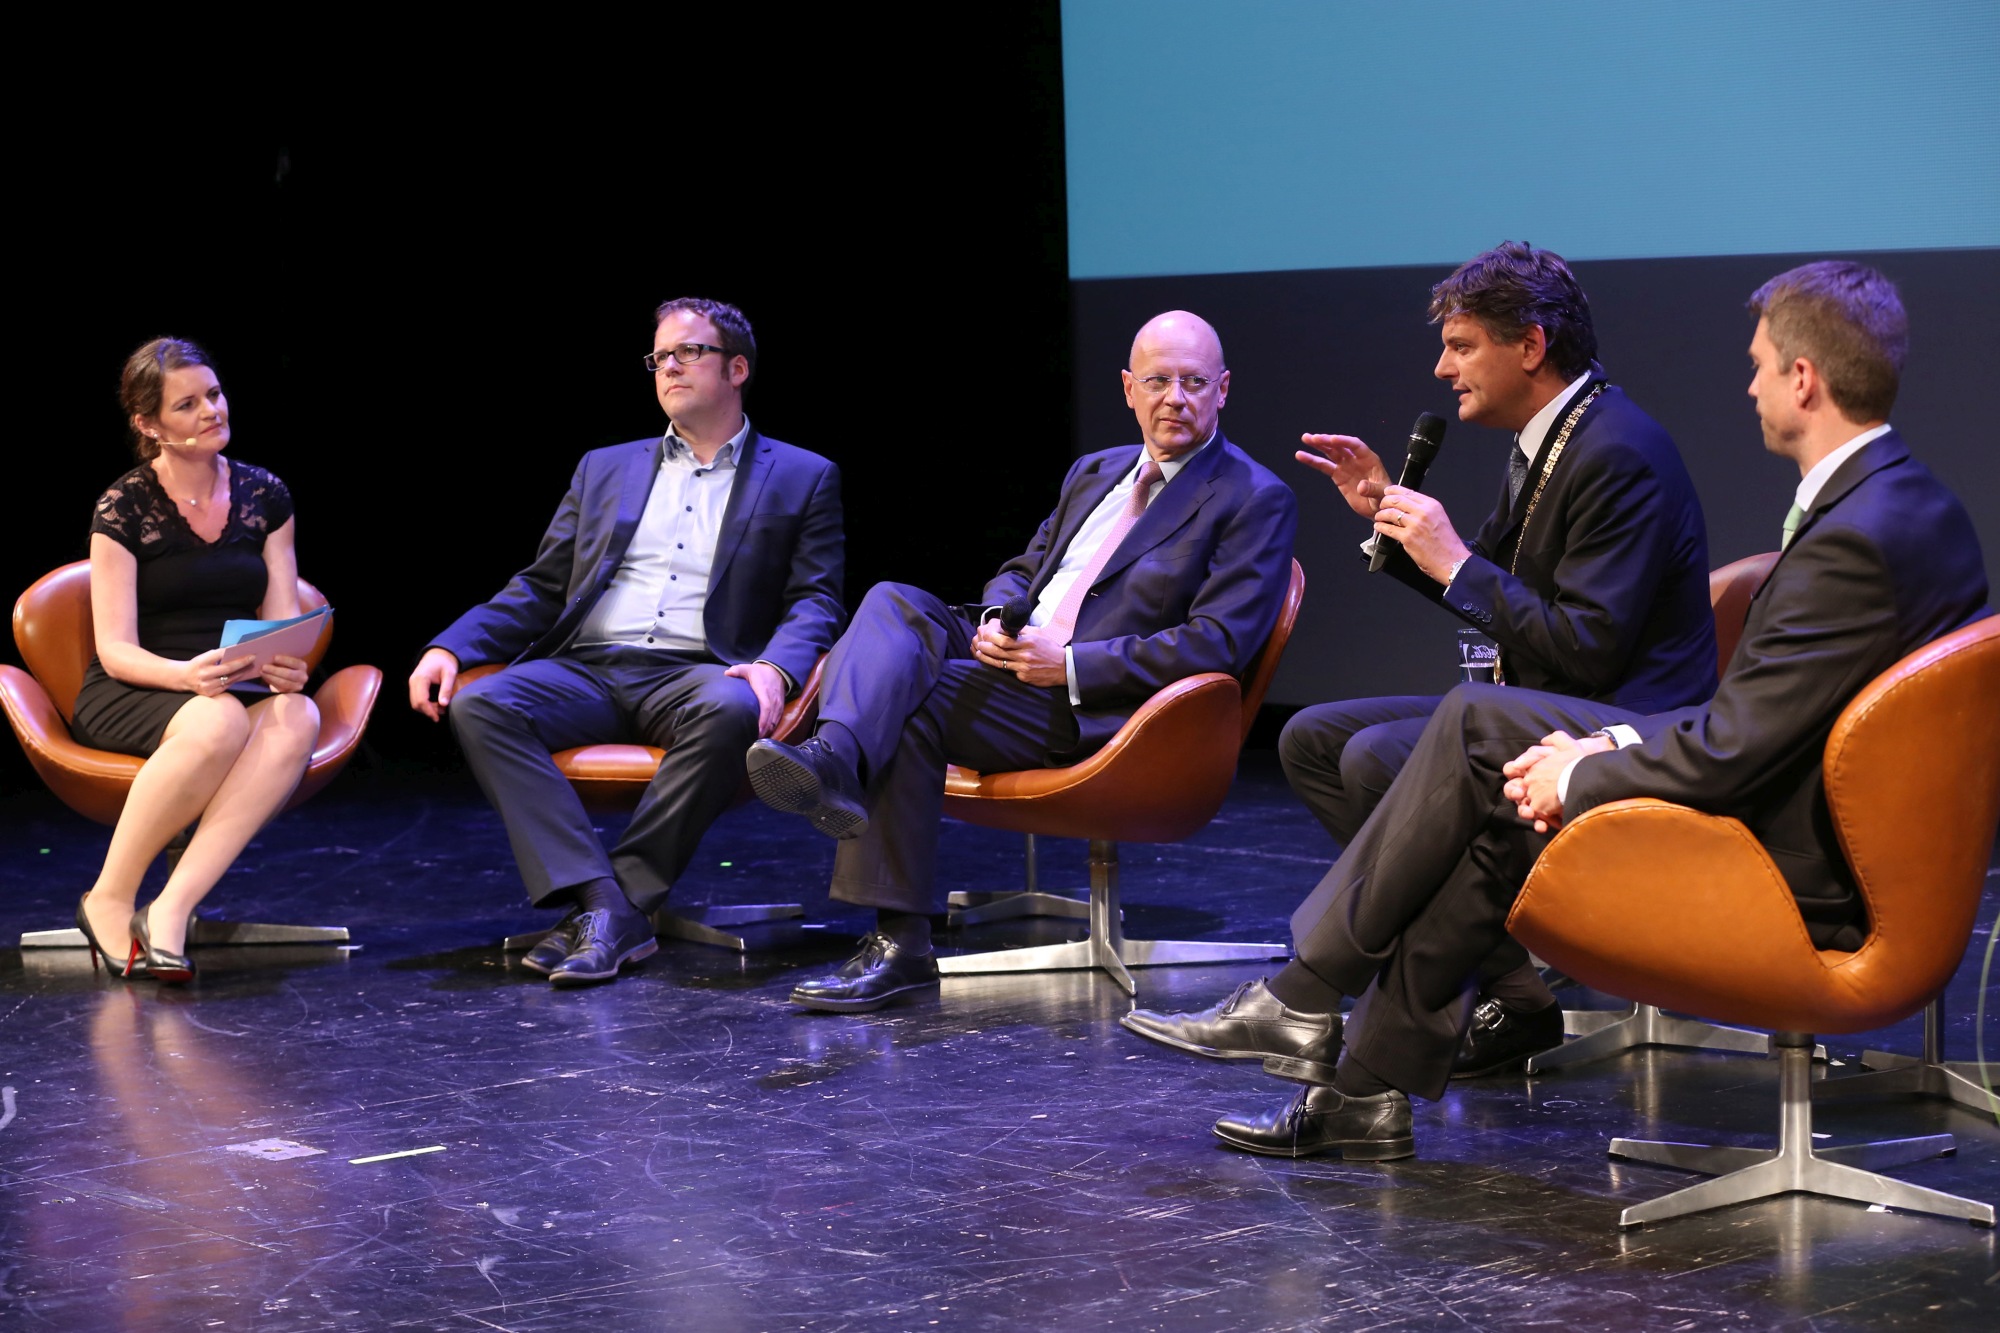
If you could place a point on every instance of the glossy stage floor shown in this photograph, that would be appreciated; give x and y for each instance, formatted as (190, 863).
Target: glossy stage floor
(447, 1143)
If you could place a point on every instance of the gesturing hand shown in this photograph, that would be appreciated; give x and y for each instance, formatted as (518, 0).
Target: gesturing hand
(1352, 466)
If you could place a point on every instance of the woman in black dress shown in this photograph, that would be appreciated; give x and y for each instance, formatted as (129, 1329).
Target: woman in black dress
(178, 545)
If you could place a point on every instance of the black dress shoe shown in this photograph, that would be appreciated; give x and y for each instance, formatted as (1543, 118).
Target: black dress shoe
(1320, 1120)
(809, 780)
(552, 948)
(873, 977)
(1501, 1037)
(603, 946)
(1250, 1025)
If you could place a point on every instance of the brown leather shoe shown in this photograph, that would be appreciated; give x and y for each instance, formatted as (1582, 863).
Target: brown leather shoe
(1250, 1025)
(1320, 1120)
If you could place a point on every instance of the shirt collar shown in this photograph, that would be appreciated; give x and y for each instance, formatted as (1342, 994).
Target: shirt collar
(672, 446)
(1537, 430)
(1815, 481)
(1172, 467)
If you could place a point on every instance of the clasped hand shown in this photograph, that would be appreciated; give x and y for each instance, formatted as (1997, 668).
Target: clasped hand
(1034, 656)
(1534, 776)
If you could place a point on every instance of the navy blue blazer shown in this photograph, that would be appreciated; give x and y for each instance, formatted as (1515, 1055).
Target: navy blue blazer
(774, 592)
(1609, 598)
(1886, 561)
(1194, 586)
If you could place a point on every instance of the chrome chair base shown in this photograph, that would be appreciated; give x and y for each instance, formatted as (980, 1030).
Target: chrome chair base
(980, 909)
(1600, 1033)
(1106, 947)
(1746, 1174)
(203, 932)
(1926, 1075)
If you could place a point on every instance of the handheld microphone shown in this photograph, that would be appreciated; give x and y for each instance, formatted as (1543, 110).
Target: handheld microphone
(1425, 438)
(1014, 615)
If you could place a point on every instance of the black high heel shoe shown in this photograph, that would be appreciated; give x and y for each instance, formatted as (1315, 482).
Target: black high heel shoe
(172, 969)
(129, 969)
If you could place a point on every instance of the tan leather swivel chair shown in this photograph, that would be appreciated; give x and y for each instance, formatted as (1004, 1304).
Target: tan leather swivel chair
(1627, 898)
(52, 629)
(1602, 1032)
(610, 778)
(1160, 779)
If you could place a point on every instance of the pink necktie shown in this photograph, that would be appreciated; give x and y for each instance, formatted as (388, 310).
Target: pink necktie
(1062, 625)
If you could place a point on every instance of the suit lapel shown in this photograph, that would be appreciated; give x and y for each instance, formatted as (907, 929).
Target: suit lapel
(753, 469)
(1178, 501)
(633, 485)
(1882, 451)
(1089, 492)
(1518, 511)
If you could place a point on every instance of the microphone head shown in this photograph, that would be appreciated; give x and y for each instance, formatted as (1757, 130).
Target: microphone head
(1014, 615)
(1426, 436)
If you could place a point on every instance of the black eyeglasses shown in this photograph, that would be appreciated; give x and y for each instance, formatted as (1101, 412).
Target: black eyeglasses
(687, 354)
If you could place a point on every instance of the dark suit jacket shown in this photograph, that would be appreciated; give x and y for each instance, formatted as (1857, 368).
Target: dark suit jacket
(1886, 561)
(1610, 602)
(774, 592)
(1195, 585)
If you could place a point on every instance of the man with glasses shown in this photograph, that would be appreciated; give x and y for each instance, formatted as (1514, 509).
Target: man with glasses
(684, 589)
(1162, 560)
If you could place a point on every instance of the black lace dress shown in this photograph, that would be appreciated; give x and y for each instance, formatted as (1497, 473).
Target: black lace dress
(187, 589)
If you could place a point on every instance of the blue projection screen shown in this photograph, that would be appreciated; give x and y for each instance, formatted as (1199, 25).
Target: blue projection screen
(1286, 134)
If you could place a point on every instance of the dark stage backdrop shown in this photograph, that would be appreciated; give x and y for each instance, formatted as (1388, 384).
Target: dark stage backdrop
(1348, 350)
(428, 281)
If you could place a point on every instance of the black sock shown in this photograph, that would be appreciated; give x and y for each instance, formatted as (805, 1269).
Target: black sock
(604, 894)
(1521, 990)
(1299, 987)
(910, 930)
(1351, 1078)
(840, 742)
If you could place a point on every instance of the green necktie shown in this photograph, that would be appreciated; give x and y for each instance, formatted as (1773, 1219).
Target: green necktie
(1792, 521)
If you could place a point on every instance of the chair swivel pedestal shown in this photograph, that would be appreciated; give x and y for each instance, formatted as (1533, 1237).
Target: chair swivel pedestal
(981, 909)
(1602, 1032)
(1106, 947)
(1746, 1174)
(1927, 1075)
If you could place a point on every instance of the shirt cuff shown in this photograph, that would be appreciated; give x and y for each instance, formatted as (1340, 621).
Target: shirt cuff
(784, 675)
(1620, 735)
(1069, 669)
(1562, 779)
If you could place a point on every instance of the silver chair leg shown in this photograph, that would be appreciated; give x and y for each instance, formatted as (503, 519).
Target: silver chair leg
(1795, 1167)
(705, 925)
(1926, 1075)
(1106, 947)
(1645, 1025)
(205, 932)
(980, 909)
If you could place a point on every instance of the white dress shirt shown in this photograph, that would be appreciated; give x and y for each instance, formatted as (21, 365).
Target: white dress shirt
(657, 593)
(1082, 548)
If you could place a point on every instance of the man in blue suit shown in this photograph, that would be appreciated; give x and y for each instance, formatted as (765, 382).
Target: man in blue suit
(1162, 560)
(684, 590)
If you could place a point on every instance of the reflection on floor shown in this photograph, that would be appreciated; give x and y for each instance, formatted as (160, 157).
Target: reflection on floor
(420, 1134)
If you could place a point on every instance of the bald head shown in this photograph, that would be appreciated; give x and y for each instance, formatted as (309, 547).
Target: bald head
(1176, 383)
(1179, 329)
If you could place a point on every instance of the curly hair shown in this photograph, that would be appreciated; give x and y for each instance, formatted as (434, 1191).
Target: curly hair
(1513, 286)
